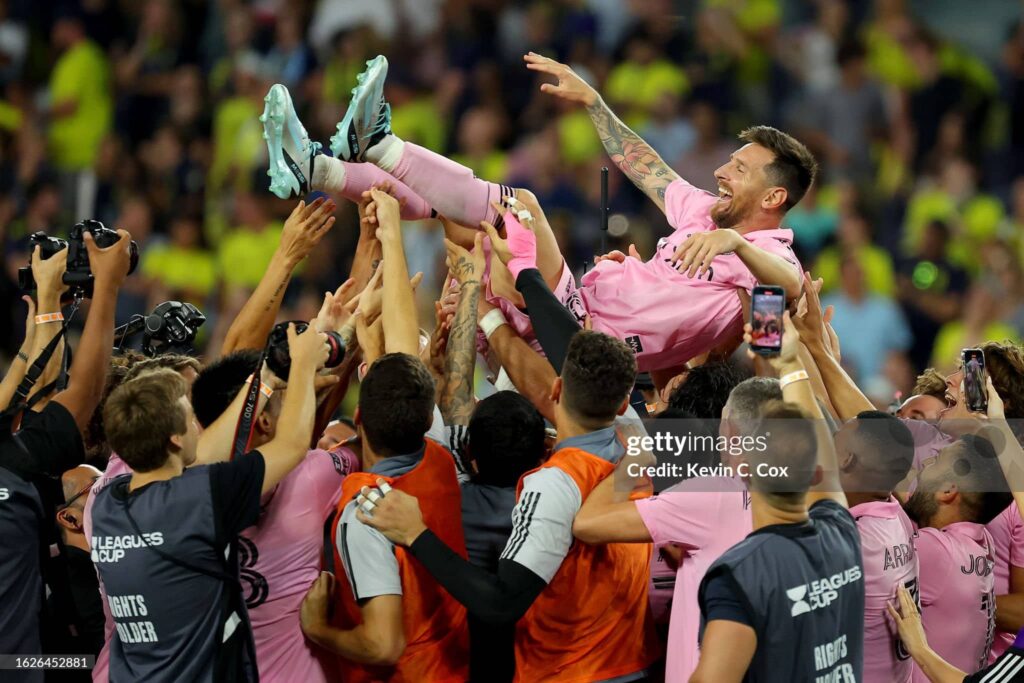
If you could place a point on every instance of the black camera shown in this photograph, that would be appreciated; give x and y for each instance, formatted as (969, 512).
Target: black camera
(170, 328)
(78, 276)
(280, 361)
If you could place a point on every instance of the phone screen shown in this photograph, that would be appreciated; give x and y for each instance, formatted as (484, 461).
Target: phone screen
(766, 320)
(974, 380)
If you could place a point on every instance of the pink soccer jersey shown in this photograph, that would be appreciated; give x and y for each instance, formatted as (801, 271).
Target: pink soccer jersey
(1007, 531)
(957, 594)
(280, 557)
(666, 316)
(706, 517)
(887, 547)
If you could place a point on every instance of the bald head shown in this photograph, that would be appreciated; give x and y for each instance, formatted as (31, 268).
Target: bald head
(77, 479)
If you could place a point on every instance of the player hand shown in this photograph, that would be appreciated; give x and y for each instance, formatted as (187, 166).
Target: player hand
(996, 410)
(368, 207)
(570, 86)
(789, 353)
(316, 604)
(387, 212)
(694, 256)
(49, 273)
(333, 314)
(109, 266)
(308, 349)
(809, 320)
(618, 256)
(304, 228)
(908, 622)
(466, 266)
(395, 514)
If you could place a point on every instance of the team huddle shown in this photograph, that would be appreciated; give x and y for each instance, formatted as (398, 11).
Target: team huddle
(238, 533)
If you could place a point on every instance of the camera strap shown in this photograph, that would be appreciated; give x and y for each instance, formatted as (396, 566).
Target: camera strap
(247, 420)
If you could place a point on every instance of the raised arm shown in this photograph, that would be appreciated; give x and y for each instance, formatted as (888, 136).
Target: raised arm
(49, 277)
(401, 330)
(799, 392)
(286, 450)
(18, 367)
(89, 369)
(531, 374)
(303, 230)
(628, 151)
(847, 400)
(456, 402)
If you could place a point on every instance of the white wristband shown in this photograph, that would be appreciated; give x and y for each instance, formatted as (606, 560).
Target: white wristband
(797, 376)
(492, 321)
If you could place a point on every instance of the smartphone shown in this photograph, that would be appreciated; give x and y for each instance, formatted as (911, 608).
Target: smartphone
(767, 305)
(975, 391)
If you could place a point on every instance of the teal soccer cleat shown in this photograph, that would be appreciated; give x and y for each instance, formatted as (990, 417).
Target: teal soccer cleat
(368, 118)
(292, 153)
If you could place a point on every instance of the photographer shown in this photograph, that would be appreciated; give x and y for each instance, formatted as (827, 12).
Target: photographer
(172, 588)
(48, 443)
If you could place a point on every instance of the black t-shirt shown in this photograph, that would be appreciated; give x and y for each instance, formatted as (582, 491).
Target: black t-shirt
(31, 463)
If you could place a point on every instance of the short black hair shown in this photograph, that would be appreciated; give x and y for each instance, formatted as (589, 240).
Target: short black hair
(396, 404)
(794, 167)
(792, 445)
(218, 384)
(597, 376)
(706, 389)
(506, 438)
(885, 450)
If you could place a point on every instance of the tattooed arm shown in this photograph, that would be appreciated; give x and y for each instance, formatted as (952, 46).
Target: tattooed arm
(457, 401)
(302, 231)
(628, 151)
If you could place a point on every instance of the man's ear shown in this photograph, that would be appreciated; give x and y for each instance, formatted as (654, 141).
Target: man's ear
(556, 390)
(357, 417)
(625, 406)
(69, 520)
(263, 423)
(774, 199)
(948, 494)
(818, 477)
(176, 441)
(846, 461)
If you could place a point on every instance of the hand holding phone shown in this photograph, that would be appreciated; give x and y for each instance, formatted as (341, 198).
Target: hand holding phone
(767, 305)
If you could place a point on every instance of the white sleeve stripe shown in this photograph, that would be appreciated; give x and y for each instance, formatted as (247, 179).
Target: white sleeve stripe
(457, 436)
(523, 526)
(516, 519)
(1002, 670)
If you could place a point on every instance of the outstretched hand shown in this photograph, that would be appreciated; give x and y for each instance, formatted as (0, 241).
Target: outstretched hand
(305, 227)
(570, 86)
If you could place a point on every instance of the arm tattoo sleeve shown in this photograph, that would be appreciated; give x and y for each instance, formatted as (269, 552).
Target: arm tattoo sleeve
(457, 397)
(631, 154)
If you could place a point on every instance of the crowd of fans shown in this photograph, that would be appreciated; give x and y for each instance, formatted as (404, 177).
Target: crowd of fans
(142, 115)
(556, 462)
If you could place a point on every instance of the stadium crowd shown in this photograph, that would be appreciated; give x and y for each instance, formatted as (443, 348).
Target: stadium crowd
(506, 444)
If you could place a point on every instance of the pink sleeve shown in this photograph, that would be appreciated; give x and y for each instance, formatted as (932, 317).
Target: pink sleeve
(328, 469)
(677, 517)
(1017, 538)
(687, 206)
(934, 562)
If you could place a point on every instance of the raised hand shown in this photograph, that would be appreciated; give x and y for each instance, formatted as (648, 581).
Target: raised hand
(387, 212)
(466, 266)
(570, 86)
(333, 313)
(109, 266)
(305, 227)
(308, 349)
(49, 273)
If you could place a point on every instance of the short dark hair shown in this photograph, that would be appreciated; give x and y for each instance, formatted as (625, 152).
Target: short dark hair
(170, 361)
(751, 395)
(506, 438)
(142, 415)
(984, 492)
(597, 376)
(886, 450)
(218, 384)
(95, 438)
(792, 444)
(794, 167)
(396, 404)
(706, 389)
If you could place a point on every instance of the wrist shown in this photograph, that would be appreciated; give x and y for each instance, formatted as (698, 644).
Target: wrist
(413, 534)
(48, 302)
(786, 367)
(282, 259)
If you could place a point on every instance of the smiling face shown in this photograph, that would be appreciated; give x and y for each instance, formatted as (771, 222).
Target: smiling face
(743, 186)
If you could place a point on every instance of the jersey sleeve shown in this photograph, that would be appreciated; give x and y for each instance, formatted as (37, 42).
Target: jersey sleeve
(680, 517)
(687, 206)
(437, 427)
(723, 601)
(327, 469)
(52, 439)
(456, 441)
(368, 557)
(934, 563)
(1016, 538)
(542, 522)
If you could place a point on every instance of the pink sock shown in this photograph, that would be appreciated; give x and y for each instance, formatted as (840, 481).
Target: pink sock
(451, 188)
(361, 177)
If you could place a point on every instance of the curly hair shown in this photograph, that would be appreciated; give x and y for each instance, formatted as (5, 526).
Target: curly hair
(706, 389)
(930, 383)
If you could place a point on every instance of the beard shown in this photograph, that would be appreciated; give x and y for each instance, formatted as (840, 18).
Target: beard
(726, 217)
(921, 506)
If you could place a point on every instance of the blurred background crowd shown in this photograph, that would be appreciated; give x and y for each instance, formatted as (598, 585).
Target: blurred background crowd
(144, 114)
